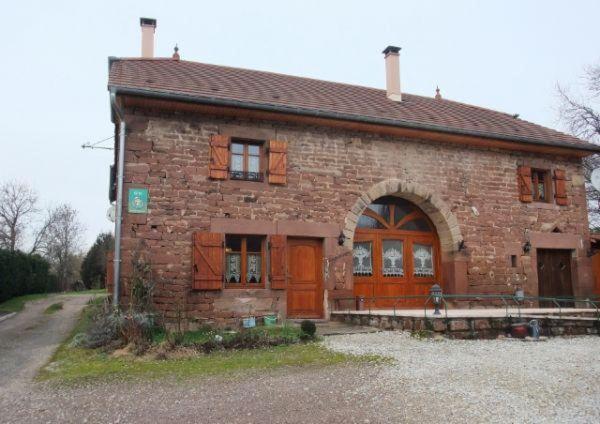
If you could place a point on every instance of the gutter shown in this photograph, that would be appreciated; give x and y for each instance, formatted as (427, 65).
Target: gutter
(116, 110)
(206, 100)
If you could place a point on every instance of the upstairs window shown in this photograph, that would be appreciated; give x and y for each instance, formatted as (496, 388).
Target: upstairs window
(245, 161)
(244, 262)
(540, 185)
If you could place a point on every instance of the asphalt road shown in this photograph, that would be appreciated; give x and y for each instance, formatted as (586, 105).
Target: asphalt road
(28, 339)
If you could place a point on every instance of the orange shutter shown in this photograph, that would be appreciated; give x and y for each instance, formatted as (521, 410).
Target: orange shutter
(524, 177)
(277, 162)
(208, 261)
(219, 157)
(278, 258)
(560, 192)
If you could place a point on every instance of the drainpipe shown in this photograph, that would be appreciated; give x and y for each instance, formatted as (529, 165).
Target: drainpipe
(119, 206)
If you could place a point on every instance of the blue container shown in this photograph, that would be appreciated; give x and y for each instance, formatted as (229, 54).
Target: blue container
(249, 322)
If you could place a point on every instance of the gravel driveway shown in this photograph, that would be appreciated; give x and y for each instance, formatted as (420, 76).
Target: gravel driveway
(556, 381)
(446, 381)
(28, 339)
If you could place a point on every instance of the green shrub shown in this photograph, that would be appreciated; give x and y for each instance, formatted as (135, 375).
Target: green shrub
(22, 274)
(309, 328)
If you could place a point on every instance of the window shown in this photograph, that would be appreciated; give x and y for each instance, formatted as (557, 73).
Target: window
(422, 260)
(362, 258)
(244, 261)
(540, 185)
(245, 161)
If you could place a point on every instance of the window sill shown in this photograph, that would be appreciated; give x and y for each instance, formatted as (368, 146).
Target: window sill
(543, 205)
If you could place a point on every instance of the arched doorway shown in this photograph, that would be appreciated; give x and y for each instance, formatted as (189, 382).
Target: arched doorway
(396, 252)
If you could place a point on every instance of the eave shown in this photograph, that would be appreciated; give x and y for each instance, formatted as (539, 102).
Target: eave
(146, 98)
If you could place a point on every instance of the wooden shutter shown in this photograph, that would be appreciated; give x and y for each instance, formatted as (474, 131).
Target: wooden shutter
(560, 187)
(208, 261)
(277, 162)
(278, 262)
(219, 157)
(524, 177)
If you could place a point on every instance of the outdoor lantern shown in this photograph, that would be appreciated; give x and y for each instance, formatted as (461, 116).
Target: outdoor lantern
(436, 293)
(341, 238)
(519, 294)
(527, 247)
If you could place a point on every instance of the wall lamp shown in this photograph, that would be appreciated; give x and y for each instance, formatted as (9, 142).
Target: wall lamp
(527, 247)
(461, 245)
(341, 238)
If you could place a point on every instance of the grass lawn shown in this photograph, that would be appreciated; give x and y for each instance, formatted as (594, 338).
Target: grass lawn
(71, 364)
(55, 307)
(16, 304)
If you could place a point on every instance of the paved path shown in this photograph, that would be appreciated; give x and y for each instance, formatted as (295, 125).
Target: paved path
(28, 339)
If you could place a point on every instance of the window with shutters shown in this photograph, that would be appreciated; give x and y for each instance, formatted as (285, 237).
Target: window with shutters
(245, 163)
(541, 190)
(244, 261)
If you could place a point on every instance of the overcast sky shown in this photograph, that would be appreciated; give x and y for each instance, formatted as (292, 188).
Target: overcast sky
(505, 55)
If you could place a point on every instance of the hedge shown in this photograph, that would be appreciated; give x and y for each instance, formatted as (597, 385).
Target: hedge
(22, 274)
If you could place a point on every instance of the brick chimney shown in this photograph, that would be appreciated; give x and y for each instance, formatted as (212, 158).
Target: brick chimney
(392, 73)
(148, 27)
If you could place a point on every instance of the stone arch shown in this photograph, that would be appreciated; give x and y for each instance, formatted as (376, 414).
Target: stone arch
(438, 211)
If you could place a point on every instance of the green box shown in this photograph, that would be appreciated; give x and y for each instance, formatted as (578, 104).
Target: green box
(137, 200)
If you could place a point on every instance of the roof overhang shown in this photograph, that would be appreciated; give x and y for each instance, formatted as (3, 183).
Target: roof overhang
(229, 107)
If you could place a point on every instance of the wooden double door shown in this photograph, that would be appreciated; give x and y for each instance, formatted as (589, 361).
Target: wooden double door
(395, 254)
(554, 274)
(304, 278)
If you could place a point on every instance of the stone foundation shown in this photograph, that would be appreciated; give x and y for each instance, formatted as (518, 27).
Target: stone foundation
(473, 328)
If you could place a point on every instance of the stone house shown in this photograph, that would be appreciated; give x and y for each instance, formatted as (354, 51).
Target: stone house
(269, 193)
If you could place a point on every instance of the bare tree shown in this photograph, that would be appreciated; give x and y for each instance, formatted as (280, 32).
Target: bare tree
(18, 205)
(583, 121)
(61, 242)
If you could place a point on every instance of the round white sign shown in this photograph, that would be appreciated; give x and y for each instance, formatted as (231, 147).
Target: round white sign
(110, 213)
(596, 178)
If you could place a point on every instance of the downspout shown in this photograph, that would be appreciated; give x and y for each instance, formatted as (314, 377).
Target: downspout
(119, 206)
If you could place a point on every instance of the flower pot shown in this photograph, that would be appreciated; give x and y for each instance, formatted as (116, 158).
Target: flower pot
(249, 322)
(519, 331)
(270, 320)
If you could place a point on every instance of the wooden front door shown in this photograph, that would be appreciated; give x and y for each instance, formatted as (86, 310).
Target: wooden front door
(305, 278)
(395, 254)
(554, 274)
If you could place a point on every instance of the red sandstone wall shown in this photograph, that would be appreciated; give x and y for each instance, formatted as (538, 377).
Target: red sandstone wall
(327, 172)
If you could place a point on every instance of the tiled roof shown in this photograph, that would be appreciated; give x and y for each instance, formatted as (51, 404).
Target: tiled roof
(205, 83)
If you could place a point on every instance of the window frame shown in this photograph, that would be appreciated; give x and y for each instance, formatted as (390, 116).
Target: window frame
(547, 182)
(244, 174)
(243, 284)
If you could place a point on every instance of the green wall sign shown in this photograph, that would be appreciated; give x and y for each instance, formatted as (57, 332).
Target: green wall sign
(138, 200)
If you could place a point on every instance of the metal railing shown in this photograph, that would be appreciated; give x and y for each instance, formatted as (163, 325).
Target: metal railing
(506, 300)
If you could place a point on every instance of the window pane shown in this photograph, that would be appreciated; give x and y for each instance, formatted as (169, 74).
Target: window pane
(254, 244)
(233, 267)
(233, 244)
(400, 211)
(362, 258)
(368, 222)
(237, 148)
(253, 164)
(423, 260)
(253, 268)
(237, 163)
(253, 149)
(416, 225)
(383, 210)
(392, 258)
